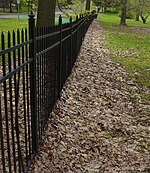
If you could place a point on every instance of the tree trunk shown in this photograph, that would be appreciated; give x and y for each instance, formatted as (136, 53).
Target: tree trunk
(144, 18)
(123, 12)
(137, 17)
(88, 5)
(46, 17)
(46, 13)
(105, 9)
(10, 7)
(4, 5)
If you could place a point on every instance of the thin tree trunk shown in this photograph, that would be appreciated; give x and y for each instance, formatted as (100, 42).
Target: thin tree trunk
(10, 7)
(3, 5)
(137, 17)
(46, 13)
(123, 12)
(88, 5)
(144, 18)
(105, 9)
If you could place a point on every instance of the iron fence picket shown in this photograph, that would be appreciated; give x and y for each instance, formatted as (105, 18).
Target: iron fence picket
(2, 140)
(11, 103)
(24, 100)
(28, 95)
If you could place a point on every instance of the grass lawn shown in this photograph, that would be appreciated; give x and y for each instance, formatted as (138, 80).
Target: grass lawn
(130, 45)
(14, 23)
(113, 19)
(10, 24)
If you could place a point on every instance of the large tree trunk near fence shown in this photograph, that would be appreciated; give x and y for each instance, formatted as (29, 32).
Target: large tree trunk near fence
(46, 18)
(46, 13)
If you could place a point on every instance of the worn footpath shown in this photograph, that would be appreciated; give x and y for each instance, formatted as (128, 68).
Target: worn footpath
(100, 124)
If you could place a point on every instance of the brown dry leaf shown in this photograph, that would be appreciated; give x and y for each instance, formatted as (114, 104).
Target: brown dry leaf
(100, 123)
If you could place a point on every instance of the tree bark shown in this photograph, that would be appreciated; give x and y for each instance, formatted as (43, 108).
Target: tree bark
(46, 13)
(144, 18)
(46, 17)
(10, 7)
(4, 5)
(137, 17)
(123, 12)
(88, 5)
(105, 9)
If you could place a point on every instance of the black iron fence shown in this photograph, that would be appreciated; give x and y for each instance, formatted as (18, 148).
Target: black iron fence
(34, 65)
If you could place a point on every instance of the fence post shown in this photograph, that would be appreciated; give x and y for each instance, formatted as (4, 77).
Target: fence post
(80, 31)
(70, 60)
(83, 27)
(80, 16)
(76, 37)
(33, 96)
(60, 56)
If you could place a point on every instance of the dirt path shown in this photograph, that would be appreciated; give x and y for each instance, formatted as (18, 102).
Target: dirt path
(100, 125)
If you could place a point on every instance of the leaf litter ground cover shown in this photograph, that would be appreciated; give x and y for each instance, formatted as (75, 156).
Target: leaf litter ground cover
(100, 124)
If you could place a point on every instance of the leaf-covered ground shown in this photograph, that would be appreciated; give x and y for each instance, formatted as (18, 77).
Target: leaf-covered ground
(100, 125)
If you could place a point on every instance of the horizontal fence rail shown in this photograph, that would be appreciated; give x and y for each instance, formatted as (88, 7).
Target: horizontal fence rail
(34, 65)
